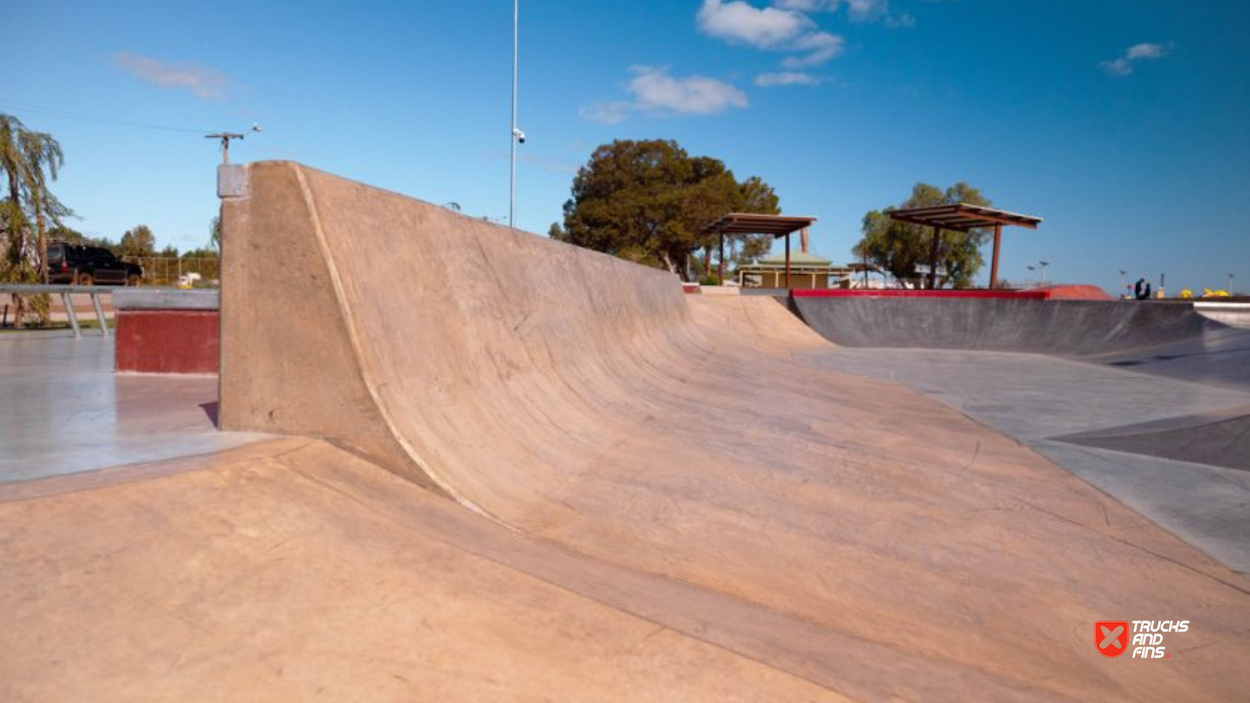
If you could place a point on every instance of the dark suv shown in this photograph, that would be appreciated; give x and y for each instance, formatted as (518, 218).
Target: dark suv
(86, 265)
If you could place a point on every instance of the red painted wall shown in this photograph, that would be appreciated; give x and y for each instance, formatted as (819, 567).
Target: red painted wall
(907, 293)
(167, 341)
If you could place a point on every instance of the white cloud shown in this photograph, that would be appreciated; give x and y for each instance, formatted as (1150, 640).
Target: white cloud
(903, 21)
(856, 10)
(775, 28)
(1147, 51)
(1118, 67)
(202, 82)
(867, 10)
(605, 112)
(809, 5)
(820, 47)
(1124, 65)
(657, 94)
(770, 80)
(737, 21)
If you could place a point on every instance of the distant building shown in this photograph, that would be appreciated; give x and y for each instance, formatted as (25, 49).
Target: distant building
(806, 271)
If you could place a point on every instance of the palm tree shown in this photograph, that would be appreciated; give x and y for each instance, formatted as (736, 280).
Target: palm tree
(12, 219)
(12, 161)
(42, 153)
(13, 166)
(28, 160)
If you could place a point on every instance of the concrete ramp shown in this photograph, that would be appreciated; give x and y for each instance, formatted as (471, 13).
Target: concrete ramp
(1064, 327)
(1215, 439)
(846, 531)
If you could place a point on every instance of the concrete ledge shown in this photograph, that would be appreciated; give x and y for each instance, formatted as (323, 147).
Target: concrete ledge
(165, 299)
(167, 341)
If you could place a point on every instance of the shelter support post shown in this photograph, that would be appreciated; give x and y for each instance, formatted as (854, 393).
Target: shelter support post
(933, 257)
(998, 241)
(720, 265)
(787, 261)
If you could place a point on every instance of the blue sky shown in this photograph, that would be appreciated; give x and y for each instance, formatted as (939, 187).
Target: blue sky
(1124, 124)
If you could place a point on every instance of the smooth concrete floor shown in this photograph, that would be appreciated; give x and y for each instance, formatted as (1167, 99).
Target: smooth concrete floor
(1035, 399)
(64, 411)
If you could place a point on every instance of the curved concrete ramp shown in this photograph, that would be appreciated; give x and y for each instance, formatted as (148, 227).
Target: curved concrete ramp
(884, 546)
(761, 322)
(1216, 439)
(1065, 327)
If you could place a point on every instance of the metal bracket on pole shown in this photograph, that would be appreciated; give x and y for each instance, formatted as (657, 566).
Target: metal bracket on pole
(73, 316)
(99, 314)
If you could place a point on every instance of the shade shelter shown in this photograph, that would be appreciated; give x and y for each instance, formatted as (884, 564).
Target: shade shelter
(962, 217)
(748, 223)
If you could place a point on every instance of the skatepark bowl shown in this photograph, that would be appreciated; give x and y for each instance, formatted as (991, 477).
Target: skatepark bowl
(458, 462)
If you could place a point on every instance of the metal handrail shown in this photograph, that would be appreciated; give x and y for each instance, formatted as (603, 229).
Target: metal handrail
(65, 291)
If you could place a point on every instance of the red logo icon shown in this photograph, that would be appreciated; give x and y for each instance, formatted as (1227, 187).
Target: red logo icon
(1111, 637)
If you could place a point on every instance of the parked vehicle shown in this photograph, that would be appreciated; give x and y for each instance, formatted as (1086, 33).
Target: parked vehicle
(87, 265)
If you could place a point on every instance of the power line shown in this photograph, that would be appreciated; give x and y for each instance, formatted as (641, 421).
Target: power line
(95, 119)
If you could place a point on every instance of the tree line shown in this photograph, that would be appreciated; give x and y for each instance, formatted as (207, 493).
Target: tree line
(648, 201)
(138, 242)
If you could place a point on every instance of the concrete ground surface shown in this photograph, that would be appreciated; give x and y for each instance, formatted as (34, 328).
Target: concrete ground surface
(65, 411)
(1039, 400)
(540, 473)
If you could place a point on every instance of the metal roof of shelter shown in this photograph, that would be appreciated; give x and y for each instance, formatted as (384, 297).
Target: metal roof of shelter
(749, 223)
(962, 217)
(799, 258)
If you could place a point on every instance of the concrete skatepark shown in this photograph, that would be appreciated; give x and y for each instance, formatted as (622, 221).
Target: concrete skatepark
(484, 465)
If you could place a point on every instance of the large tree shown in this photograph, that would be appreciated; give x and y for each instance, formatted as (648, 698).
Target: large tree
(648, 201)
(898, 247)
(138, 242)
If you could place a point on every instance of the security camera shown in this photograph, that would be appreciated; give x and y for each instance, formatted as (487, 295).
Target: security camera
(520, 136)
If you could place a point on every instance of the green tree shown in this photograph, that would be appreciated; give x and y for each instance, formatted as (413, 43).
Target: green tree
(648, 202)
(67, 234)
(29, 160)
(214, 233)
(138, 242)
(898, 247)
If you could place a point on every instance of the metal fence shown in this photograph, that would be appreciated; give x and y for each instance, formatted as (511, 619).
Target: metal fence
(64, 293)
(197, 272)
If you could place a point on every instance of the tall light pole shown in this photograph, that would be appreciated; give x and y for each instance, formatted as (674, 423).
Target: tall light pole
(515, 134)
(1043, 264)
(1120, 293)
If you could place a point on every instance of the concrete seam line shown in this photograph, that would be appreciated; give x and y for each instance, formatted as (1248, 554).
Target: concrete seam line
(353, 335)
